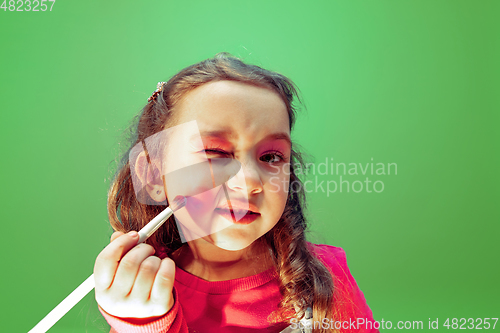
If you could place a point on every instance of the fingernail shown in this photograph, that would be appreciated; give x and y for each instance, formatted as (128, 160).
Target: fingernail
(133, 233)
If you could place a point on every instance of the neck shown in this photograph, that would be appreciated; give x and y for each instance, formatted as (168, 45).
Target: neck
(209, 262)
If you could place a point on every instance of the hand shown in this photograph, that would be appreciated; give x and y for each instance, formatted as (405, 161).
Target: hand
(130, 282)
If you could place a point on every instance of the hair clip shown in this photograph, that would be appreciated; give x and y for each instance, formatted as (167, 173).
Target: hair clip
(159, 88)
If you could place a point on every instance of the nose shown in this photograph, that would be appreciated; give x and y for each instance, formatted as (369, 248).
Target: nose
(247, 179)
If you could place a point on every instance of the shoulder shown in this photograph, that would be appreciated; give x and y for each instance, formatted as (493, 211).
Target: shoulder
(349, 298)
(334, 258)
(326, 250)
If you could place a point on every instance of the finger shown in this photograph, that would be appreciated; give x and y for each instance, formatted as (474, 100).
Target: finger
(115, 235)
(164, 282)
(145, 278)
(107, 261)
(128, 269)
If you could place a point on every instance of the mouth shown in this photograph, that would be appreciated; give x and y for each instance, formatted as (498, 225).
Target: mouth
(238, 216)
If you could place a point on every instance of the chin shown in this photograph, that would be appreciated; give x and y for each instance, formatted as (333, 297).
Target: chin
(231, 243)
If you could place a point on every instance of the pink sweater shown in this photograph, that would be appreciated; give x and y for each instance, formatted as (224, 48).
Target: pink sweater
(244, 305)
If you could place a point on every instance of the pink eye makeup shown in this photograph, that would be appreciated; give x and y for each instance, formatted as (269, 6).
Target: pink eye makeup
(217, 146)
(216, 151)
(273, 156)
(277, 151)
(274, 149)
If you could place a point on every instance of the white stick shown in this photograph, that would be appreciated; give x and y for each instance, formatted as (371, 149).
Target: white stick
(70, 301)
(155, 223)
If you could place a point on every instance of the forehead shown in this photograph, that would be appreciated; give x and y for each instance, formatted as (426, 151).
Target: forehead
(235, 107)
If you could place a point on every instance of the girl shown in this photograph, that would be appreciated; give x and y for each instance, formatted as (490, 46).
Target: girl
(257, 273)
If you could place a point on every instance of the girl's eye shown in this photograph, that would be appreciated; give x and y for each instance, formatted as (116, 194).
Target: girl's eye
(216, 152)
(274, 157)
(270, 157)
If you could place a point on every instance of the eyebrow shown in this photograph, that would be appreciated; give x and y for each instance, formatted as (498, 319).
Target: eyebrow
(279, 136)
(228, 135)
(222, 134)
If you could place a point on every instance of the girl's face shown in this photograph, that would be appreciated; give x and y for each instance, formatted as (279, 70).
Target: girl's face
(250, 124)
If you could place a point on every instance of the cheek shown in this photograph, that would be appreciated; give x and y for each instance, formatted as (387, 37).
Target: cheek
(277, 179)
(276, 189)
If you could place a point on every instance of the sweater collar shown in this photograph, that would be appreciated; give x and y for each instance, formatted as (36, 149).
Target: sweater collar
(224, 287)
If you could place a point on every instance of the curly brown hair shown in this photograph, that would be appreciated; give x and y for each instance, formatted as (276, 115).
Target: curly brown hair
(304, 280)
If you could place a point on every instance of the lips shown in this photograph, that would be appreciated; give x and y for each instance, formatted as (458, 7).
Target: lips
(238, 212)
(247, 218)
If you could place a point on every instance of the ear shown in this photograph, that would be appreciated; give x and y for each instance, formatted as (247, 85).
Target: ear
(149, 174)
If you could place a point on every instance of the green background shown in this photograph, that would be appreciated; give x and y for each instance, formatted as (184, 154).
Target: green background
(414, 83)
